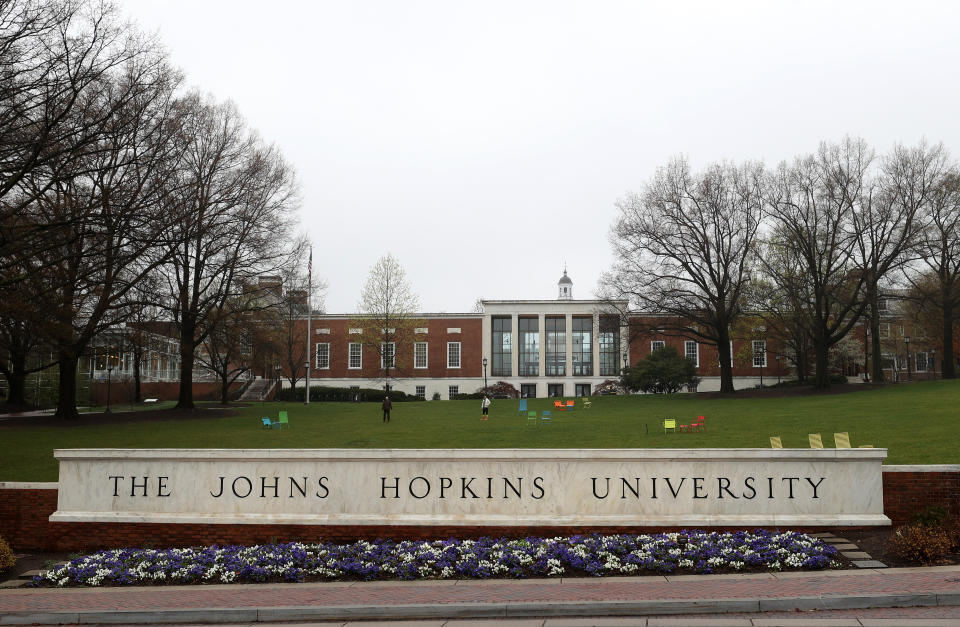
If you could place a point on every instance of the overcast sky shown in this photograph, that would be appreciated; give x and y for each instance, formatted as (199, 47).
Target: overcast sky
(485, 143)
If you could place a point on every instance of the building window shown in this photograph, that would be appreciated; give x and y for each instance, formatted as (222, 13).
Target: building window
(609, 341)
(355, 358)
(759, 353)
(388, 352)
(528, 390)
(884, 330)
(882, 304)
(657, 345)
(452, 391)
(422, 391)
(323, 356)
(582, 389)
(556, 338)
(691, 350)
(529, 329)
(453, 354)
(583, 347)
(502, 347)
(921, 362)
(555, 390)
(420, 355)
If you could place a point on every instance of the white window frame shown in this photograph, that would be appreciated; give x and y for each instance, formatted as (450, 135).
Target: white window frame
(452, 390)
(916, 361)
(359, 356)
(421, 391)
(884, 330)
(759, 356)
(316, 356)
(388, 348)
(695, 358)
(451, 363)
(426, 355)
(655, 344)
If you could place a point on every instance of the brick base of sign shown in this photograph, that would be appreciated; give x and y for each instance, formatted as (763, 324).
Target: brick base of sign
(25, 524)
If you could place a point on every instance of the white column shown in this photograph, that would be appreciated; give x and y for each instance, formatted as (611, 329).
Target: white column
(514, 346)
(595, 344)
(541, 325)
(568, 367)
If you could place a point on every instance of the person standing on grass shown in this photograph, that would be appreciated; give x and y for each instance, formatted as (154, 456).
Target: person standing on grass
(485, 404)
(387, 406)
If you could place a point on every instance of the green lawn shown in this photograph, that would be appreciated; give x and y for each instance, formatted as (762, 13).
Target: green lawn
(917, 422)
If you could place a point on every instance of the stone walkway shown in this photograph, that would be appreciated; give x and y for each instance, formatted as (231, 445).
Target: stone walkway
(498, 599)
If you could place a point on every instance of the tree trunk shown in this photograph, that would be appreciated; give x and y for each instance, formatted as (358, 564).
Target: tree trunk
(822, 376)
(185, 398)
(726, 369)
(949, 360)
(136, 378)
(17, 384)
(877, 357)
(67, 392)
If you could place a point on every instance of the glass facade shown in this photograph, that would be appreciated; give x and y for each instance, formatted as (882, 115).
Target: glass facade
(609, 341)
(502, 348)
(583, 347)
(556, 340)
(529, 330)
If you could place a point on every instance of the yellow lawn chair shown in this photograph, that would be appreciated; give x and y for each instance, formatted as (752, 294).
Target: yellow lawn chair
(815, 440)
(587, 404)
(775, 442)
(842, 440)
(670, 423)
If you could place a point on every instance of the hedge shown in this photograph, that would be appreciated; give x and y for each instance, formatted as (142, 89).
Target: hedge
(322, 394)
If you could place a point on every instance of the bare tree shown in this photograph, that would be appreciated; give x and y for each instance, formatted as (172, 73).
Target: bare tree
(233, 196)
(888, 220)
(56, 59)
(386, 314)
(814, 242)
(103, 227)
(685, 248)
(939, 251)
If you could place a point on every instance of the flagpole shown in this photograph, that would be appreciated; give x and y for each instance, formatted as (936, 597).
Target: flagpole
(306, 394)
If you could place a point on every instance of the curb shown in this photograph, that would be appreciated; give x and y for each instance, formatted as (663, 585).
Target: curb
(562, 609)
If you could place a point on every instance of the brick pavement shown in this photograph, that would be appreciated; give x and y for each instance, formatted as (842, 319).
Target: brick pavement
(932, 586)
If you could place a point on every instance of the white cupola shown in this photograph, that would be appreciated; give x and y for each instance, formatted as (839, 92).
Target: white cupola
(565, 285)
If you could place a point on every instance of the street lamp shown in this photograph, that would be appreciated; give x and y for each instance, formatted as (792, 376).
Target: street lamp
(484, 375)
(777, 357)
(866, 356)
(906, 340)
(933, 359)
(109, 370)
(763, 358)
(624, 361)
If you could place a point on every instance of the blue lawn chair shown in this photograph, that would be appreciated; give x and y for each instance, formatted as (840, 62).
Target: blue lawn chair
(546, 418)
(267, 423)
(523, 406)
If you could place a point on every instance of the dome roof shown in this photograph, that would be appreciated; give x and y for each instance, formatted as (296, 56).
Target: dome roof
(564, 279)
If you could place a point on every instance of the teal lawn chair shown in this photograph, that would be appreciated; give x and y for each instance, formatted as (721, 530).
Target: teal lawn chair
(284, 420)
(523, 406)
(547, 417)
(267, 423)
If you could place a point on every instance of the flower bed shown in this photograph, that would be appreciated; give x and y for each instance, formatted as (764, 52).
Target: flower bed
(594, 555)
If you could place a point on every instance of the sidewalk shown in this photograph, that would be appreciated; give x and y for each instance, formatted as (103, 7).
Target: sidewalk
(612, 596)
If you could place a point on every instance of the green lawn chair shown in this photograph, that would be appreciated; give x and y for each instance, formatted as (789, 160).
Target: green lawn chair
(284, 420)
(532, 418)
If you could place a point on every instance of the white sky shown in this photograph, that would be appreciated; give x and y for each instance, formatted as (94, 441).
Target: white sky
(485, 143)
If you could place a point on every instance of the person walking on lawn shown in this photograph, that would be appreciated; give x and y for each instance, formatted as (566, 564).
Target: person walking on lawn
(485, 404)
(387, 406)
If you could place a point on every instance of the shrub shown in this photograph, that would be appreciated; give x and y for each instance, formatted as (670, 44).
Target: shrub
(500, 389)
(436, 396)
(321, 394)
(918, 542)
(610, 386)
(7, 558)
(664, 371)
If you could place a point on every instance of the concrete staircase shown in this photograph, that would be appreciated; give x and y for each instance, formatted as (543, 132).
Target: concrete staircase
(257, 390)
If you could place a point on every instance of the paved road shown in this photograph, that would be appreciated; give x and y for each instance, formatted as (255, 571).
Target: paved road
(728, 597)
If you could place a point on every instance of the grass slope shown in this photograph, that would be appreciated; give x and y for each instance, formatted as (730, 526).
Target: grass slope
(917, 422)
